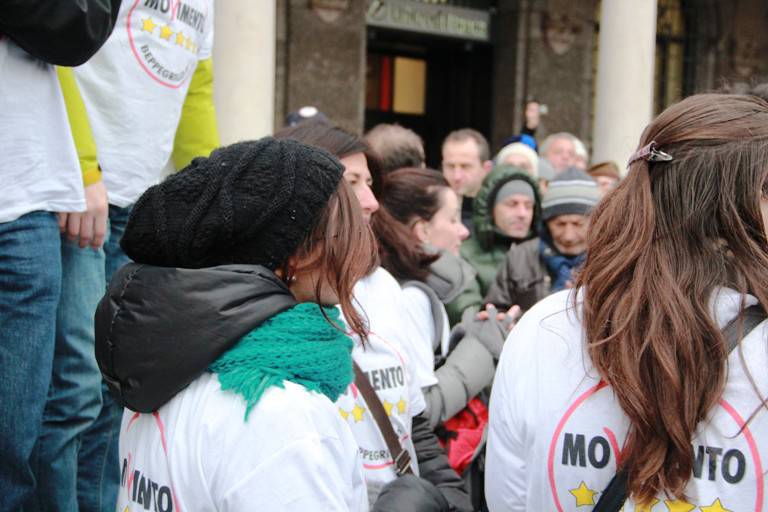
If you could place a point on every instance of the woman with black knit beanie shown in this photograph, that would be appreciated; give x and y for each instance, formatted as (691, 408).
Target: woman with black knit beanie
(223, 341)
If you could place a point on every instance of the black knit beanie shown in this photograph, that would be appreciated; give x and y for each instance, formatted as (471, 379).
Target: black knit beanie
(253, 202)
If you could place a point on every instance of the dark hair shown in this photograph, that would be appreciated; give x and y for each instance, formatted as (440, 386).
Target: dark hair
(337, 141)
(413, 193)
(483, 150)
(407, 195)
(356, 248)
(342, 248)
(398, 147)
(659, 246)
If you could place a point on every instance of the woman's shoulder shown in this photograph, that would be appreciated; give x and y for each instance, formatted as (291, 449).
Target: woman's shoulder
(548, 337)
(283, 414)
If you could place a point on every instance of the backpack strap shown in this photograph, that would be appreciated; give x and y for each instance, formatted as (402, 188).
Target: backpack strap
(400, 456)
(437, 310)
(615, 494)
(738, 328)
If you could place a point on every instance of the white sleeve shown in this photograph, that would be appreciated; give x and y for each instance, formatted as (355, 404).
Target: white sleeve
(419, 331)
(506, 449)
(206, 47)
(308, 474)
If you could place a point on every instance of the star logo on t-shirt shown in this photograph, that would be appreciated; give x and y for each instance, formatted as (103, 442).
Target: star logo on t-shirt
(166, 32)
(387, 407)
(401, 406)
(344, 414)
(716, 506)
(180, 38)
(148, 25)
(357, 413)
(584, 495)
(646, 507)
(679, 506)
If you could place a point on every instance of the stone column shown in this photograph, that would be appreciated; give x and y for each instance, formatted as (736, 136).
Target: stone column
(625, 78)
(244, 68)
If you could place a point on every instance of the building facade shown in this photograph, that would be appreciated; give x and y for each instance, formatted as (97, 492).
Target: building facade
(439, 65)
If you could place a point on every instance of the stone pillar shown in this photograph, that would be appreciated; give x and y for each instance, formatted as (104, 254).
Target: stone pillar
(558, 64)
(625, 74)
(326, 59)
(244, 68)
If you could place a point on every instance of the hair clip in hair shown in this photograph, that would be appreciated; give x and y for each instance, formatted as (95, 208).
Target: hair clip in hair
(649, 153)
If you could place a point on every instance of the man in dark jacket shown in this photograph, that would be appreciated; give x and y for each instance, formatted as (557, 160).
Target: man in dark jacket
(466, 162)
(540, 266)
(507, 211)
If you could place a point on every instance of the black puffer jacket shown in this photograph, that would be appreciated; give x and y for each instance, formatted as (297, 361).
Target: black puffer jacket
(158, 329)
(65, 33)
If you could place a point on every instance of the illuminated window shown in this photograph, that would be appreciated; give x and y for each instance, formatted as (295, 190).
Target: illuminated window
(396, 84)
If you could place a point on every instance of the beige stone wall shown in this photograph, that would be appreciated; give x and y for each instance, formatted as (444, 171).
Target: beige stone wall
(559, 57)
(323, 62)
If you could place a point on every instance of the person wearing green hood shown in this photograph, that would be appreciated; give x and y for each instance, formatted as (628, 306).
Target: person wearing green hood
(507, 211)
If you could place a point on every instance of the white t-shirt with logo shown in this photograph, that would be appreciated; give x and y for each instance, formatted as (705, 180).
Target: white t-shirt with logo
(385, 361)
(134, 89)
(197, 453)
(556, 429)
(38, 162)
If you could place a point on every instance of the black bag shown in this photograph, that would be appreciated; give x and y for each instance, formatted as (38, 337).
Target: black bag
(615, 494)
(66, 33)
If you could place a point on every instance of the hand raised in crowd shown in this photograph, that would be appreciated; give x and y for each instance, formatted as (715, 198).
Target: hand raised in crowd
(508, 318)
(489, 327)
(91, 225)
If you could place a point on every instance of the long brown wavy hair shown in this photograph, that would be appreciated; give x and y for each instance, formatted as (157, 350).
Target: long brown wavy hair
(659, 246)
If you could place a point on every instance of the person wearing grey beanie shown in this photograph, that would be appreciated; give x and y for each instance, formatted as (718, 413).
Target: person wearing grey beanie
(507, 211)
(544, 265)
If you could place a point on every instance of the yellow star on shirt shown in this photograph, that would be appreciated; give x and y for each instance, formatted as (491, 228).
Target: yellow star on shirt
(166, 32)
(344, 414)
(646, 507)
(188, 43)
(401, 406)
(584, 495)
(358, 412)
(679, 506)
(148, 25)
(180, 39)
(716, 506)
(387, 407)
(127, 509)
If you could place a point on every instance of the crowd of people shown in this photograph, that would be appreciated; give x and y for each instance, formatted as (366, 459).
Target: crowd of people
(317, 320)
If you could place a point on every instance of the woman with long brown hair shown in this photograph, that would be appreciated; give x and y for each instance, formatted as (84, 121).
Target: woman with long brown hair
(385, 360)
(653, 369)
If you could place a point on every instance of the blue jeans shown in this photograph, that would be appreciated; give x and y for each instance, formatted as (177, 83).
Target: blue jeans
(71, 459)
(30, 284)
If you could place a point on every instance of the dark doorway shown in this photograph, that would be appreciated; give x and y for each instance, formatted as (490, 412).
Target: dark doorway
(456, 91)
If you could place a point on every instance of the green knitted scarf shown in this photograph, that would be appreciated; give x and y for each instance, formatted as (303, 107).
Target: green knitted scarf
(298, 345)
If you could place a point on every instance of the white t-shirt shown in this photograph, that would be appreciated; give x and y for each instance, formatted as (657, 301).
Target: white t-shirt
(418, 309)
(555, 430)
(387, 364)
(38, 162)
(135, 86)
(196, 453)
